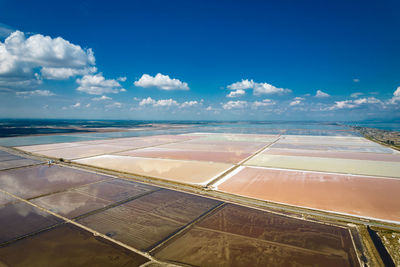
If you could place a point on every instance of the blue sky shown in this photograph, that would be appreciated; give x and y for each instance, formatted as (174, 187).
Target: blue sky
(230, 60)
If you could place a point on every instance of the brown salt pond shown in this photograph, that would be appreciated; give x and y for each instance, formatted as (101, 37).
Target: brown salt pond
(182, 154)
(38, 180)
(146, 221)
(363, 196)
(7, 157)
(174, 205)
(6, 198)
(116, 190)
(67, 245)
(132, 227)
(20, 219)
(16, 163)
(334, 154)
(71, 204)
(191, 172)
(239, 236)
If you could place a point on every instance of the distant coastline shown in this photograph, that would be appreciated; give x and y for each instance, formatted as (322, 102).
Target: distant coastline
(389, 138)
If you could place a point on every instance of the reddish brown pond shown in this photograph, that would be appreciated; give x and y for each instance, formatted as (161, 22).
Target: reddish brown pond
(358, 195)
(67, 245)
(38, 180)
(239, 236)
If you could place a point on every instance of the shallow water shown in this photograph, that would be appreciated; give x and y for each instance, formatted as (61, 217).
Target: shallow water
(217, 127)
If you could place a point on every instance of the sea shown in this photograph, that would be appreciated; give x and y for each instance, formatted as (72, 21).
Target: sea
(22, 132)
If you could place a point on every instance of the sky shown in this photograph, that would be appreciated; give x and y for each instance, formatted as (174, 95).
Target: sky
(200, 60)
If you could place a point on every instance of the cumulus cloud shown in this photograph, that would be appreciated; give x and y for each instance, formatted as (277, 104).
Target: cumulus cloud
(76, 105)
(114, 105)
(166, 103)
(263, 103)
(296, 101)
(266, 88)
(321, 94)
(35, 93)
(343, 104)
(121, 79)
(21, 60)
(396, 96)
(163, 82)
(236, 93)
(234, 105)
(258, 88)
(189, 104)
(147, 101)
(98, 85)
(355, 95)
(158, 103)
(349, 104)
(367, 100)
(102, 98)
(65, 73)
(356, 80)
(242, 85)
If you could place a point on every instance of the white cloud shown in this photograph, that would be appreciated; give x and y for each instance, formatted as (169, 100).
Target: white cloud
(102, 98)
(258, 88)
(209, 108)
(242, 85)
(163, 82)
(356, 80)
(88, 105)
(65, 73)
(236, 93)
(76, 105)
(266, 88)
(98, 85)
(22, 58)
(147, 101)
(355, 95)
(368, 100)
(342, 105)
(349, 104)
(158, 103)
(264, 103)
(189, 104)
(114, 105)
(321, 94)
(396, 96)
(234, 105)
(35, 93)
(397, 92)
(296, 101)
(166, 103)
(121, 79)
